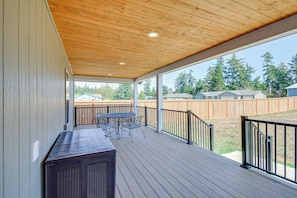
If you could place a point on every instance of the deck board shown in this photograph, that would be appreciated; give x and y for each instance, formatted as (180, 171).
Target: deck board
(164, 166)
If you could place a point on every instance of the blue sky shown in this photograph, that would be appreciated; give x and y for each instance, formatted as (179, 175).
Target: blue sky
(282, 50)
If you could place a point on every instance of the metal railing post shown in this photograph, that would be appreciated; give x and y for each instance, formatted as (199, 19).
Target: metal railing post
(75, 114)
(243, 142)
(189, 127)
(145, 116)
(249, 142)
(269, 153)
(107, 109)
(211, 129)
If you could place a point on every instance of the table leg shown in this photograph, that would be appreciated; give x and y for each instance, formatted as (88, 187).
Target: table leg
(118, 129)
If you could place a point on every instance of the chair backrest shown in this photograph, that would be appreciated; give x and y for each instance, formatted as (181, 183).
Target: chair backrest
(133, 120)
(138, 119)
(102, 122)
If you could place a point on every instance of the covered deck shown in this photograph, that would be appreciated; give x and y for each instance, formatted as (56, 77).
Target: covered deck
(164, 166)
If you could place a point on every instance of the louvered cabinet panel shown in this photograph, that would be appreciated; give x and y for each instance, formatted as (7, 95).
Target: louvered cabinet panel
(81, 164)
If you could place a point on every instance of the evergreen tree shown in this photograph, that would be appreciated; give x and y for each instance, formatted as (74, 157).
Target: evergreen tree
(147, 88)
(282, 80)
(153, 92)
(78, 90)
(216, 76)
(269, 72)
(199, 87)
(248, 79)
(258, 85)
(106, 92)
(207, 85)
(165, 90)
(235, 74)
(184, 83)
(293, 69)
(124, 92)
(141, 96)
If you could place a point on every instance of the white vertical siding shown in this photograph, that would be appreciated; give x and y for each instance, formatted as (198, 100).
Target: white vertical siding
(1, 102)
(32, 94)
(24, 89)
(11, 99)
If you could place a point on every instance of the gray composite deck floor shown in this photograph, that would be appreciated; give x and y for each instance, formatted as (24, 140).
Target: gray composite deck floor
(163, 166)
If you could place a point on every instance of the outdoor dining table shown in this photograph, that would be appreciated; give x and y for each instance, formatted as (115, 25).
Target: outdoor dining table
(118, 117)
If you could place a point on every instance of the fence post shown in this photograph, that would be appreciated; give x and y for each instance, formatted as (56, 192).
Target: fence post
(75, 109)
(107, 109)
(145, 116)
(243, 142)
(211, 129)
(269, 153)
(189, 127)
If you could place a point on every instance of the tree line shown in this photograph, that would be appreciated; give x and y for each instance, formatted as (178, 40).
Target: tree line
(225, 74)
(235, 74)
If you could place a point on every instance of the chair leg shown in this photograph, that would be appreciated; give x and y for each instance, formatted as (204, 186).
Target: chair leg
(130, 134)
(142, 132)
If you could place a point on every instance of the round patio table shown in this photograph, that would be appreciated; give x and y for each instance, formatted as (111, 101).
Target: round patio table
(118, 117)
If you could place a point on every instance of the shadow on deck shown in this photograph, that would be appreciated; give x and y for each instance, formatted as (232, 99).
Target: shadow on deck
(163, 166)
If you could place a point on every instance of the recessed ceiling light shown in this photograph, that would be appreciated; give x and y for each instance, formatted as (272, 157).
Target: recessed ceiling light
(153, 34)
(122, 63)
(109, 74)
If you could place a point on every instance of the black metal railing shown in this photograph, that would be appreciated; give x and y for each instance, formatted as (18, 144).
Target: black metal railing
(188, 126)
(270, 147)
(149, 114)
(84, 115)
(182, 124)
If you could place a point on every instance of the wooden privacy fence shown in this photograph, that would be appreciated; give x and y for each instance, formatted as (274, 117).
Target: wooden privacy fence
(212, 109)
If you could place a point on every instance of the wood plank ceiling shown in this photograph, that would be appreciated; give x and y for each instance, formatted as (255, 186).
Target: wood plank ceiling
(99, 34)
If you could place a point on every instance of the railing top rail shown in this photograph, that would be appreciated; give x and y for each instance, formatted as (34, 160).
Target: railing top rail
(260, 132)
(272, 122)
(147, 107)
(100, 105)
(193, 114)
(174, 110)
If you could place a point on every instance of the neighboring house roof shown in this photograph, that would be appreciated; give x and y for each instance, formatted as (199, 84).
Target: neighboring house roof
(246, 92)
(294, 86)
(89, 97)
(235, 92)
(212, 93)
(97, 95)
(178, 95)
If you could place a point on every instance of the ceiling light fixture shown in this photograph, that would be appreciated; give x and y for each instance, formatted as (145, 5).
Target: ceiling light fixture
(153, 34)
(109, 74)
(122, 63)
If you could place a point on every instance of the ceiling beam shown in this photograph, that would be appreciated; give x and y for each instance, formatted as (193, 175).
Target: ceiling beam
(102, 79)
(270, 32)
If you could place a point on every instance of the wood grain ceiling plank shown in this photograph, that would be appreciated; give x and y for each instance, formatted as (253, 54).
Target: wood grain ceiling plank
(138, 20)
(82, 27)
(94, 71)
(176, 13)
(114, 55)
(107, 49)
(72, 29)
(97, 34)
(264, 8)
(291, 2)
(207, 11)
(207, 36)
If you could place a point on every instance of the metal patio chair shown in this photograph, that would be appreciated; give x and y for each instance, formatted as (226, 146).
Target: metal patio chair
(106, 124)
(133, 124)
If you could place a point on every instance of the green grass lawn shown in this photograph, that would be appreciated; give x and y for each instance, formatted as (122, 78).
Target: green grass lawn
(227, 137)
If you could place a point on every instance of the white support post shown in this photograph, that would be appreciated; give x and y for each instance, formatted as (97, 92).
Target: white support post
(135, 102)
(159, 102)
